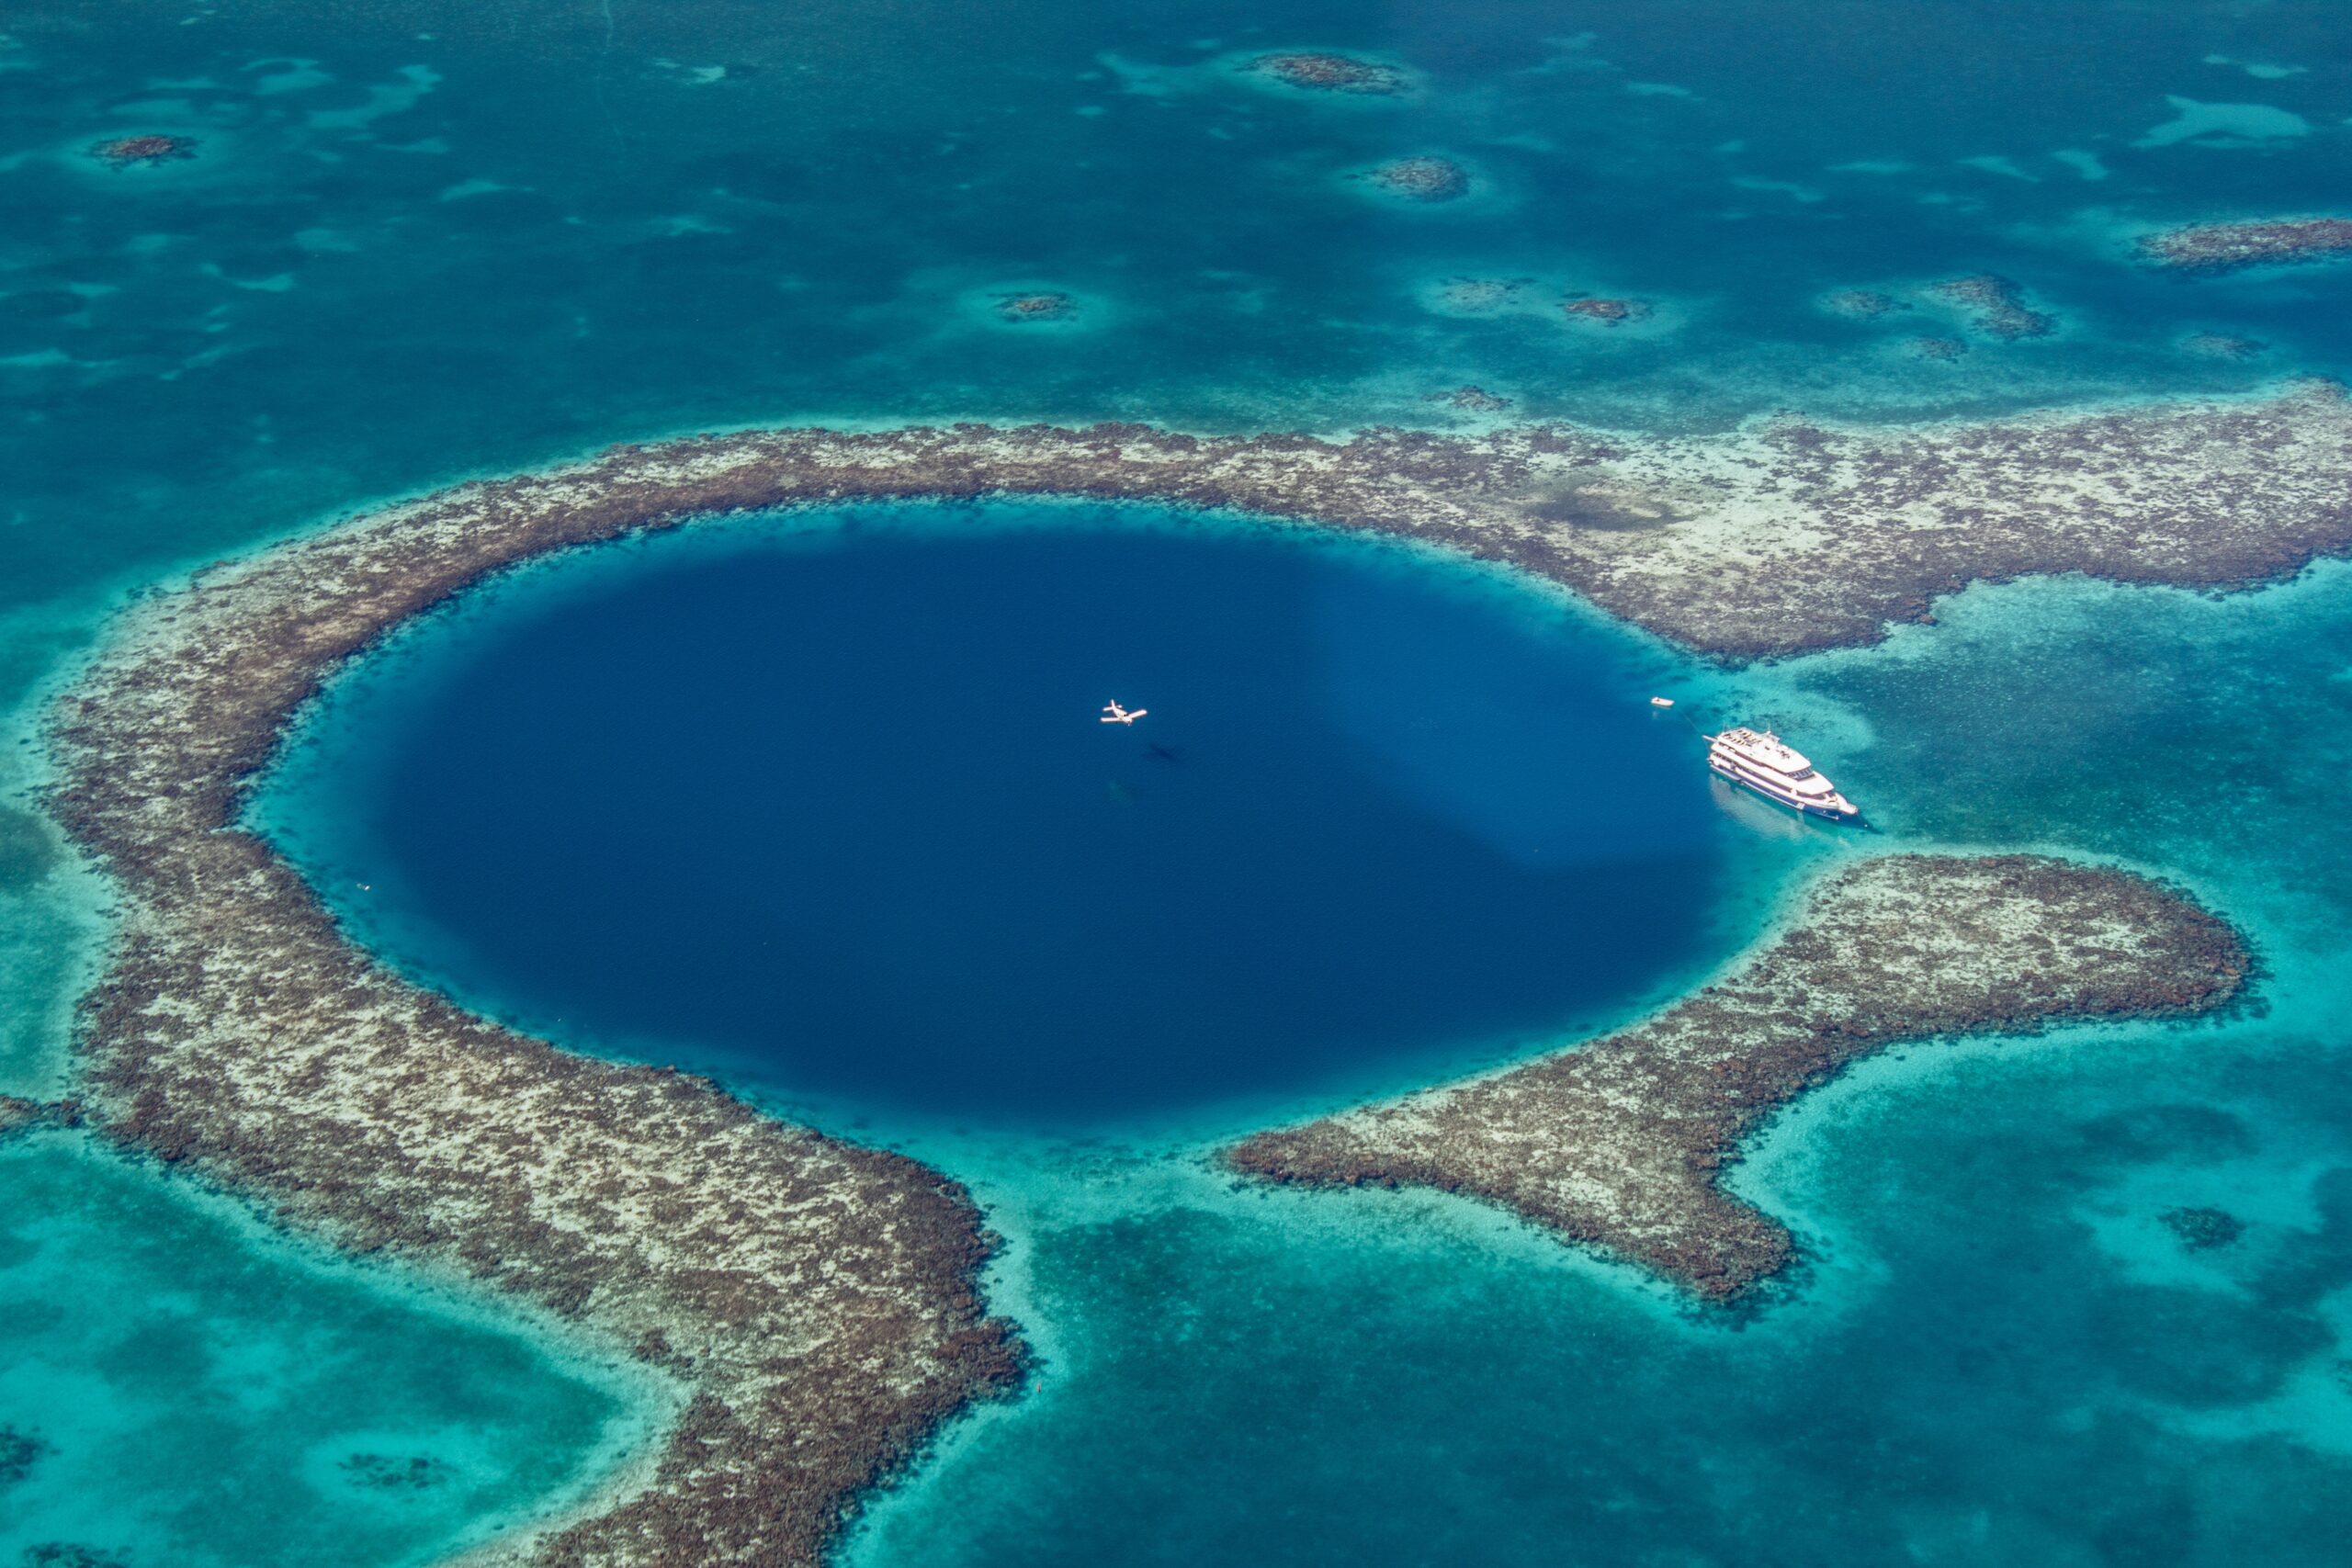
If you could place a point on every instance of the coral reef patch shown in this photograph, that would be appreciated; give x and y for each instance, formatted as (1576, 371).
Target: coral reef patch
(2227, 247)
(2221, 345)
(1045, 306)
(19, 1451)
(1604, 312)
(2202, 1230)
(1325, 72)
(1419, 178)
(136, 151)
(69, 1554)
(1470, 399)
(1995, 306)
(388, 1473)
(1480, 296)
(1620, 1144)
(1860, 304)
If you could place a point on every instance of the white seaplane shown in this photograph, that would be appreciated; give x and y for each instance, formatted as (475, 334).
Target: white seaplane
(1114, 714)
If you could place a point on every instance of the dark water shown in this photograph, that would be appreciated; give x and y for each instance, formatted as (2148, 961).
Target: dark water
(838, 809)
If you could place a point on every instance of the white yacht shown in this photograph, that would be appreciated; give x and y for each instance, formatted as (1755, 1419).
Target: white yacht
(1778, 771)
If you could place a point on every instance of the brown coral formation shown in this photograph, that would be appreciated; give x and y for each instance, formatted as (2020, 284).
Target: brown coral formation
(1860, 304)
(2227, 247)
(1783, 537)
(1039, 307)
(2202, 1230)
(1945, 349)
(2221, 345)
(1481, 295)
(1605, 312)
(1470, 399)
(1620, 1144)
(1996, 307)
(132, 152)
(1424, 178)
(1325, 72)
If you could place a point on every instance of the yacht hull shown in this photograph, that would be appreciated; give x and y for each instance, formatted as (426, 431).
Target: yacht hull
(1764, 791)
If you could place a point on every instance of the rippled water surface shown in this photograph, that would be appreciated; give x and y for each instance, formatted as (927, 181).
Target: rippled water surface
(420, 239)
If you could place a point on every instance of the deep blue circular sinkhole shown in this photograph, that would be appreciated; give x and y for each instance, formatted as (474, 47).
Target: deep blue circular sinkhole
(831, 808)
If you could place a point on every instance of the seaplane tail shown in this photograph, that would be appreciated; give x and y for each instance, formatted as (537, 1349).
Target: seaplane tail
(1114, 714)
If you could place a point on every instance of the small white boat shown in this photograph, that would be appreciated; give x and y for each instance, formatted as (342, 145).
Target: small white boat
(1114, 714)
(1661, 701)
(1760, 761)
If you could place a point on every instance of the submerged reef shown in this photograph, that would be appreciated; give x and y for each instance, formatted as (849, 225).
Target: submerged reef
(1995, 306)
(132, 152)
(1422, 178)
(1048, 306)
(1481, 295)
(19, 1451)
(1860, 304)
(68, 1554)
(1620, 1142)
(1325, 72)
(2226, 247)
(2202, 1230)
(816, 1301)
(1469, 400)
(1940, 348)
(1607, 313)
(2221, 345)
(388, 1473)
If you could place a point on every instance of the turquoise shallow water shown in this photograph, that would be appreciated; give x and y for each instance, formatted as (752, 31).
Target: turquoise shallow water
(177, 1386)
(421, 240)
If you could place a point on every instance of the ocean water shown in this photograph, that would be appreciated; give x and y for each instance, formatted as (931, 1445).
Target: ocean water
(1995, 1351)
(829, 804)
(421, 240)
(418, 238)
(180, 1386)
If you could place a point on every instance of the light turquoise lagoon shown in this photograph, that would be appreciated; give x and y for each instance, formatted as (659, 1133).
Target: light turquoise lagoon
(417, 240)
(180, 1386)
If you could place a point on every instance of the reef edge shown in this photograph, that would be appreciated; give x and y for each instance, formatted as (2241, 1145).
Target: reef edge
(1620, 1144)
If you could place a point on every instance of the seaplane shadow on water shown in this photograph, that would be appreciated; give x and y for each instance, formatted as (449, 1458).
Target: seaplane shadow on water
(1113, 713)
